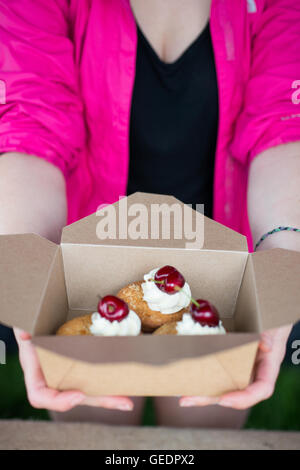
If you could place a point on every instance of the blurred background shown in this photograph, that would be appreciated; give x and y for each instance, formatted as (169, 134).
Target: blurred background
(280, 412)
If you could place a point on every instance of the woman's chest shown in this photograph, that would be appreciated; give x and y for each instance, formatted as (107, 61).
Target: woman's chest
(171, 25)
(105, 39)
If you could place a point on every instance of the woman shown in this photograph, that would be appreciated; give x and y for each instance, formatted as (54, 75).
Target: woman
(117, 96)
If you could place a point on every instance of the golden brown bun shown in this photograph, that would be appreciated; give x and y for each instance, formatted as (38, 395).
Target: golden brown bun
(77, 326)
(166, 329)
(133, 295)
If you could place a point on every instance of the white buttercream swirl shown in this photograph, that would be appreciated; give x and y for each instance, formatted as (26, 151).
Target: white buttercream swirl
(129, 326)
(162, 302)
(187, 326)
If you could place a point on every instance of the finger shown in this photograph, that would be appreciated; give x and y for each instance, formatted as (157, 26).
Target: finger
(267, 367)
(254, 393)
(39, 395)
(198, 401)
(271, 338)
(21, 335)
(266, 342)
(268, 360)
(54, 400)
(110, 402)
(32, 371)
(266, 371)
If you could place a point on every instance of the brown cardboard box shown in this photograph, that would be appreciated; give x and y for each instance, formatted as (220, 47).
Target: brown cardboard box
(42, 285)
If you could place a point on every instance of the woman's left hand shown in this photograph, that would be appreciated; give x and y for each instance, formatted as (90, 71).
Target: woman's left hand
(268, 360)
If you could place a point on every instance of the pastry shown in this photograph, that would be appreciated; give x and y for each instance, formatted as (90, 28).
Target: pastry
(202, 319)
(113, 318)
(161, 298)
(77, 326)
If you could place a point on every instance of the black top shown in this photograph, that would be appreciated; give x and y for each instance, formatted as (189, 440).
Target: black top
(174, 119)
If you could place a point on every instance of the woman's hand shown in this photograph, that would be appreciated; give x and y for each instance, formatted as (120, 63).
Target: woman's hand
(268, 360)
(40, 396)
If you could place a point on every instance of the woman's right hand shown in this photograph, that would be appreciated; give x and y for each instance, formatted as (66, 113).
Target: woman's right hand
(40, 396)
(22, 178)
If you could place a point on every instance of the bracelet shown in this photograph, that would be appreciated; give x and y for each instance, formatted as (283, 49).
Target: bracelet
(278, 229)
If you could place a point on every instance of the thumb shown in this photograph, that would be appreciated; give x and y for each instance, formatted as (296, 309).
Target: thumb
(21, 335)
(266, 342)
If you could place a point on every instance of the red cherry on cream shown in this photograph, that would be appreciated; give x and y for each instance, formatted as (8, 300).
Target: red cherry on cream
(169, 280)
(204, 313)
(112, 308)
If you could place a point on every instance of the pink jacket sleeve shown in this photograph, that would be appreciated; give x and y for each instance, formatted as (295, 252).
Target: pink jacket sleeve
(271, 110)
(42, 114)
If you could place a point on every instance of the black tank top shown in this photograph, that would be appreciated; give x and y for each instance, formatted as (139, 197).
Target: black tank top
(173, 125)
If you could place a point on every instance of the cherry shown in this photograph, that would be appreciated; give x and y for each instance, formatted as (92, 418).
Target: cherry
(169, 280)
(204, 313)
(112, 308)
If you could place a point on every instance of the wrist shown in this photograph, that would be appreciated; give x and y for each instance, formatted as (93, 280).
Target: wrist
(285, 239)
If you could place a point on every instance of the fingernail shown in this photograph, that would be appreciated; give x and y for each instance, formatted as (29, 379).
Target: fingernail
(77, 399)
(226, 403)
(125, 407)
(24, 336)
(203, 401)
(267, 343)
(187, 402)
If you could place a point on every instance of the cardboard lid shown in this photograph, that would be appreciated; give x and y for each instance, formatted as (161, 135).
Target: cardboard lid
(26, 261)
(146, 349)
(143, 206)
(277, 284)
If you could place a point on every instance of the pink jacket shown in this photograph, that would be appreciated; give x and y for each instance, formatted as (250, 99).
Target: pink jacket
(68, 67)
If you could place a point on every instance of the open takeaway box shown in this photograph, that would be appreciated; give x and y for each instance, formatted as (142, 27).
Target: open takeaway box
(42, 285)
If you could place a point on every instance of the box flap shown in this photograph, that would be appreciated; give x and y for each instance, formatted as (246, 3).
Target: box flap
(55, 367)
(238, 363)
(147, 208)
(26, 260)
(210, 375)
(246, 317)
(148, 349)
(277, 284)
